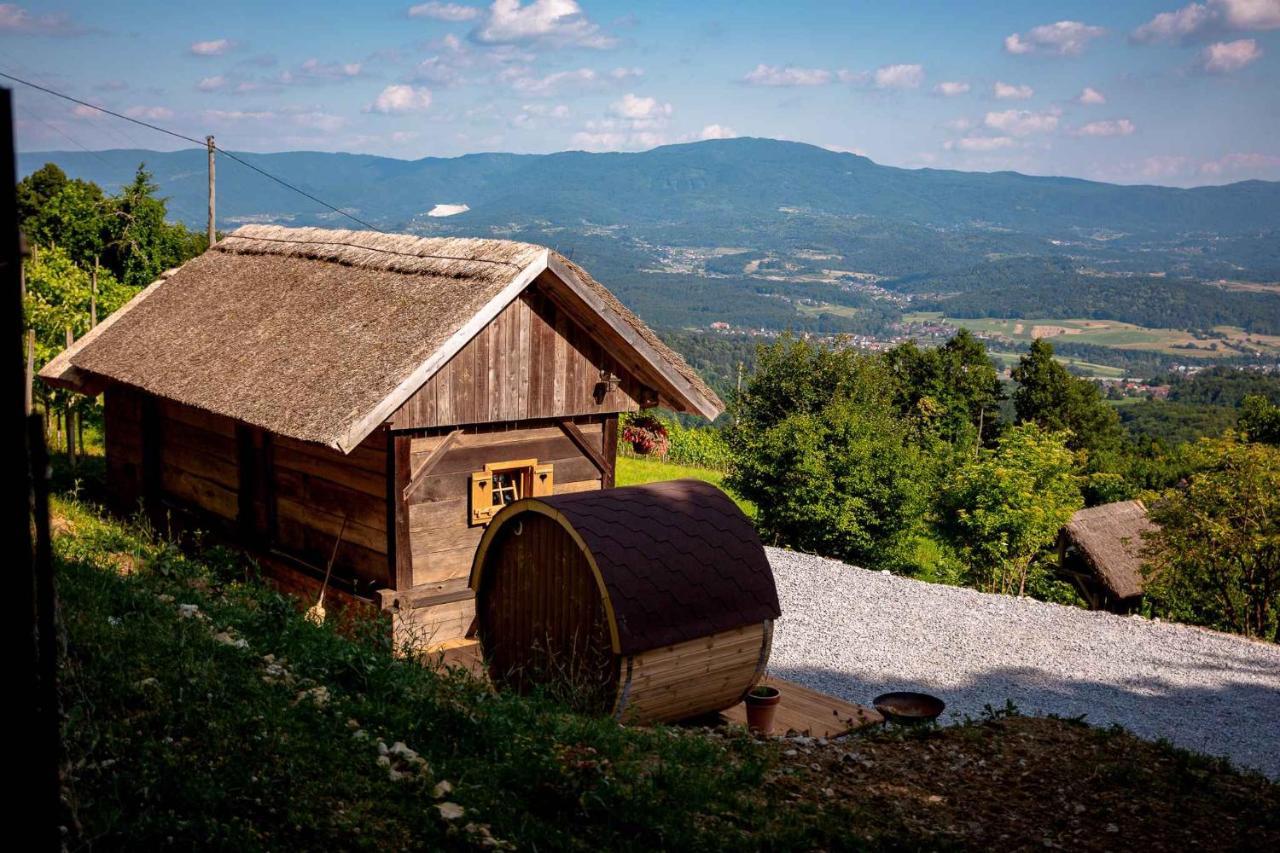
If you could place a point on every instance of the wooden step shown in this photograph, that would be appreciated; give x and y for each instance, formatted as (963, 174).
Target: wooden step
(428, 594)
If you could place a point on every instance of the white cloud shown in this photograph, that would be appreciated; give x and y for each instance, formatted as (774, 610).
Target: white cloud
(530, 113)
(153, 113)
(437, 71)
(1021, 122)
(1250, 14)
(444, 11)
(1091, 97)
(716, 131)
(213, 84)
(899, 76)
(1223, 57)
(979, 143)
(214, 47)
(1109, 127)
(399, 99)
(639, 109)
(16, 19)
(520, 80)
(1163, 166)
(958, 124)
(555, 23)
(951, 88)
(626, 73)
(773, 75)
(315, 71)
(307, 119)
(1239, 163)
(1065, 38)
(1011, 92)
(1214, 16)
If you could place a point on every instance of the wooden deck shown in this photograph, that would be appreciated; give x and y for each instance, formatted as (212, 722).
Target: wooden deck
(809, 712)
(801, 710)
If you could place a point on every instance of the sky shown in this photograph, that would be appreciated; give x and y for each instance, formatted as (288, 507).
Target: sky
(1131, 92)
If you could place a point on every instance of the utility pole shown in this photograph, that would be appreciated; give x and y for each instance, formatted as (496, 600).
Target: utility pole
(213, 234)
(93, 296)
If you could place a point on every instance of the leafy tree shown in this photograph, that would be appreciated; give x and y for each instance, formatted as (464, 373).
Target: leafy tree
(1057, 401)
(1215, 559)
(951, 392)
(141, 243)
(59, 294)
(817, 447)
(1260, 419)
(75, 219)
(1004, 508)
(35, 190)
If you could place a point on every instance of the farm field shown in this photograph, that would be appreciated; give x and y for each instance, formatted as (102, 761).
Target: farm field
(1112, 333)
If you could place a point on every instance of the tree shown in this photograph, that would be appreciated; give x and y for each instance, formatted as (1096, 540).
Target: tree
(1260, 419)
(951, 393)
(1002, 509)
(817, 446)
(74, 219)
(141, 244)
(35, 190)
(1051, 397)
(1215, 559)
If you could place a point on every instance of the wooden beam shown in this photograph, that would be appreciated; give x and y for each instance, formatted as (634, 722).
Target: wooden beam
(610, 440)
(597, 458)
(399, 451)
(431, 461)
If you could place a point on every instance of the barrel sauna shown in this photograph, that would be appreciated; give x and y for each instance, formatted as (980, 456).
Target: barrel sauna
(651, 603)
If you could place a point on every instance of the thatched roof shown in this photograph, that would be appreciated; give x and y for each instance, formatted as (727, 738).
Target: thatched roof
(1109, 538)
(321, 334)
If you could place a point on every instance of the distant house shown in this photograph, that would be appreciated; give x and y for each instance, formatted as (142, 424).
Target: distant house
(1100, 550)
(374, 397)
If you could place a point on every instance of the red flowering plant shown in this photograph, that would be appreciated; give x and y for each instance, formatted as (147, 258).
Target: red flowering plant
(647, 435)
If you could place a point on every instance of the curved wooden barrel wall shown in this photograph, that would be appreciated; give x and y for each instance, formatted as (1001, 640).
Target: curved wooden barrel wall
(544, 618)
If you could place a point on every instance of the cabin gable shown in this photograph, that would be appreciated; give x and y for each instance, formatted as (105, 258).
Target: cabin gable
(532, 361)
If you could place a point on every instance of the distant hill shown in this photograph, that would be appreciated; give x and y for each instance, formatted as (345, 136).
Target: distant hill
(762, 233)
(720, 180)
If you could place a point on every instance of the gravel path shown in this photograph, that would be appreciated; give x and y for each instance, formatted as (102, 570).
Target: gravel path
(856, 634)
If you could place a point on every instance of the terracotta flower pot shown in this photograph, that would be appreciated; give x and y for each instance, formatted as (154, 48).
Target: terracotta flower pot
(762, 704)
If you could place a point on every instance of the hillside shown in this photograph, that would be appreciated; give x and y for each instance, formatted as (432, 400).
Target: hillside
(202, 710)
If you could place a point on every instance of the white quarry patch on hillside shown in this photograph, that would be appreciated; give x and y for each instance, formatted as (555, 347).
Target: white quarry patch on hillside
(448, 209)
(855, 634)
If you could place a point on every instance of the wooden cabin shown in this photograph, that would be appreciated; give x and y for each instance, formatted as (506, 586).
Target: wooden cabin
(298, 389)
(651, 603)
(1100, 551)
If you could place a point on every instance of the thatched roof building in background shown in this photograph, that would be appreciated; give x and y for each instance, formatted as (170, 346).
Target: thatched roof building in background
(1101, 547)
(320, 335)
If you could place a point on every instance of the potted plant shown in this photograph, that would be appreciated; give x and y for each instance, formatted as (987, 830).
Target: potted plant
(646, 434)
(762, 703)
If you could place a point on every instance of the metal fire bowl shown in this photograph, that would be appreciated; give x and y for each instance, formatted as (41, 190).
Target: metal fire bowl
(906, 708)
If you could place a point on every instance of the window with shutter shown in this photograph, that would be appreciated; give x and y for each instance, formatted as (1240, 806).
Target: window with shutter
(502, 483)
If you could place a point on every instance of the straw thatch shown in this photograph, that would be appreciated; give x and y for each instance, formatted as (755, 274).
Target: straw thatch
(1109, 539)
(312, 333)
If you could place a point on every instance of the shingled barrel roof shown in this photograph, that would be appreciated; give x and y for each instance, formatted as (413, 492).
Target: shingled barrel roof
(679, 560)
(1109, 538)
(321, 334)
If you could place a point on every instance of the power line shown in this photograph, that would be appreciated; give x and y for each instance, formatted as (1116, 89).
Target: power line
(198, 142)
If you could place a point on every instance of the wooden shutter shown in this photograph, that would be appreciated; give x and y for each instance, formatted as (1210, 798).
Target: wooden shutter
(544, 482)
(481, 497)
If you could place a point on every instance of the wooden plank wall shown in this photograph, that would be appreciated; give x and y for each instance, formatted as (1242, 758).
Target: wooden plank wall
(199, 459)
(532, 361)
(122, 427)
(315, 488)
(441, 538)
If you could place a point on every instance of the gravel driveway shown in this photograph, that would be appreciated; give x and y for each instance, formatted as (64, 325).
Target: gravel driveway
(856, 634)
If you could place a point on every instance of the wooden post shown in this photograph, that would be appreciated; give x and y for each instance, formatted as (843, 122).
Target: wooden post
(213, 235)
(93, 295)
(29, 387)
(71, 417)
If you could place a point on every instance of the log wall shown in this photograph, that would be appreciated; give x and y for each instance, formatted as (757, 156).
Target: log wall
(441, 538)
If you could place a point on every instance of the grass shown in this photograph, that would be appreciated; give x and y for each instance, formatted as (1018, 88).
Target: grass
(201, 710)
(637, 470)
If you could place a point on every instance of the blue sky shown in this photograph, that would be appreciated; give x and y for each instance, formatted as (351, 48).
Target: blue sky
(1142, 92)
